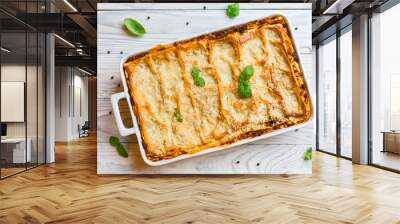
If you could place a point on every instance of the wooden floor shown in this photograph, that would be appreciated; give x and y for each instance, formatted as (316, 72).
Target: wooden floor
(70, 191)
(11, 170)
(386, 159)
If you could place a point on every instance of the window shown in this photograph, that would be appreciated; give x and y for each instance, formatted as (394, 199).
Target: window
(334, 106)
(385, 89)
(327, 96)
(346, 93)
(394, 111)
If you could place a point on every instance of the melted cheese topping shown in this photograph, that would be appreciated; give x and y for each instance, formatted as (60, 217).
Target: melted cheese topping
(161, 84)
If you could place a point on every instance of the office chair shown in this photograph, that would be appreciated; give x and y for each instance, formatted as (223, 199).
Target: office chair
(84, 130)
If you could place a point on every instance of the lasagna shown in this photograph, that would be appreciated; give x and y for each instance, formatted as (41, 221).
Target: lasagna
(177, 115)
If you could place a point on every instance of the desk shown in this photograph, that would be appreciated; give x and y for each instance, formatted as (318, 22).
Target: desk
(17, 151)
(391, 141)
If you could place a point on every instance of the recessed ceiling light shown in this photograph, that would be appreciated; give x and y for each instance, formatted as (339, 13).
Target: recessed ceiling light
(5, 50)
(79, 51)
(337, 7)
(64, 40)
(70, 5)
(84, 71)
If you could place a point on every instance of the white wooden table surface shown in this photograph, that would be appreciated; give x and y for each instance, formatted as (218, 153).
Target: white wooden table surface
(166, 23)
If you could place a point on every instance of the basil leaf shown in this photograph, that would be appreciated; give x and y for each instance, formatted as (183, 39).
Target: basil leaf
(195, 71)
(233, 10)
(308, 154)
(134, 27)
(245, 89)
(114, 141)
(199, 81)
(178, 116)
(247, 73)
(121, 150)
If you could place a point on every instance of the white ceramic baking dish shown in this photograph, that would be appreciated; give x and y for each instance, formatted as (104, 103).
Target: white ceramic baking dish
(115, 98)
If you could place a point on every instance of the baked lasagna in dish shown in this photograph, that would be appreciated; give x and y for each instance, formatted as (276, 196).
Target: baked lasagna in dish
(187, 95)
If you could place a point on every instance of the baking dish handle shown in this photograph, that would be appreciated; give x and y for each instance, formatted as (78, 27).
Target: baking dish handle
(123, 131)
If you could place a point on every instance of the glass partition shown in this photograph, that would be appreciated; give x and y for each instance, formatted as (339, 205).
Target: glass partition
(22, 77)
(327, 96)
(41, 97)
(32, 97)
(13, 93)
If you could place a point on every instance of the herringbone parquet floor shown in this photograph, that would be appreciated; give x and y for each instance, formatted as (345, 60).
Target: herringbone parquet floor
(70, 191)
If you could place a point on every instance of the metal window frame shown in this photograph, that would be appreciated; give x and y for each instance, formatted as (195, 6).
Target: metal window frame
(369, 97)
(338, 96)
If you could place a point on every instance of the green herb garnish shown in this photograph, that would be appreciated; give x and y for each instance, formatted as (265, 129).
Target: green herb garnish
(244, 82)
(198, 79)
(233, 10)
(134, 27)
(121, 150)
(114, 141)
(200, 82)
(245, 89)
(247, 73)
(178, 116)
(195, 71)
(308, 154)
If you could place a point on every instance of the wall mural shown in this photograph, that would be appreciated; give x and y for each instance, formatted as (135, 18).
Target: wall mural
(238, 100)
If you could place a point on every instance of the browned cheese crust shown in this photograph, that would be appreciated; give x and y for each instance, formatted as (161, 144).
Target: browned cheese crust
(161, 85)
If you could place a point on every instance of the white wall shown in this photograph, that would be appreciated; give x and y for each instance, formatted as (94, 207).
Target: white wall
(70, 83)
(62, 81)
(79, 117)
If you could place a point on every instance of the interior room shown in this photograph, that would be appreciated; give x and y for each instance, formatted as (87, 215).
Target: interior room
(157, 111)
(74, 86)
(22, 100)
